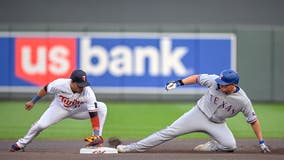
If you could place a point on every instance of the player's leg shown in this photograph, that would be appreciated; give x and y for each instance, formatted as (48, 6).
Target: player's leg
(102, 113)
(223, 139)
(51, 116)
(82, 114)
(185, 124)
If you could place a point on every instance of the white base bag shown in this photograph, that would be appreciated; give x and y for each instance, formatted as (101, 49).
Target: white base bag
(98, 150)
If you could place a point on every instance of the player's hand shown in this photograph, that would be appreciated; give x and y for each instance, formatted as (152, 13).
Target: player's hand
(29, 105)
(94, 140)
(172, 85)
(264, 148)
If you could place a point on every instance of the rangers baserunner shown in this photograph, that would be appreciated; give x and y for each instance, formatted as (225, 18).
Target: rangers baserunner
(224, 99)
(73, 98)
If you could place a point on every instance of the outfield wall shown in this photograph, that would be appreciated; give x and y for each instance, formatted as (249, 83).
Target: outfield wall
(258, 60)
(257, 26)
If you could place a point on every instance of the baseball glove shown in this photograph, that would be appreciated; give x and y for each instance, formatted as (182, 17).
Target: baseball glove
(114, 142)
(94, 140)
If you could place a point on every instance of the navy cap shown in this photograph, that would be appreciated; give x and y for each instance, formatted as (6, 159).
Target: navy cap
(228, 77)
(80, 77)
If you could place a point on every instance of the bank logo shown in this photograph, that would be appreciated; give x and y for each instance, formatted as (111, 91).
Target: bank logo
(133, 57)
(41, 60)
(116, 60)
(150, 61)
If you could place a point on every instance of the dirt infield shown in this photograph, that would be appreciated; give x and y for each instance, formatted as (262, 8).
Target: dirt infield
(172, 150)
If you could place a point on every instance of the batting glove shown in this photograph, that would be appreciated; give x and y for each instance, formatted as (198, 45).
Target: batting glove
(264, 148)
(173, 84)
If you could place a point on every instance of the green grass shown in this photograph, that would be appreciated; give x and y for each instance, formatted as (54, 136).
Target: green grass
(133, 120)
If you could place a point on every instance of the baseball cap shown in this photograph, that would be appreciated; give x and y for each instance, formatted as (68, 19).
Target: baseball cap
(80, 77)
(228, 77)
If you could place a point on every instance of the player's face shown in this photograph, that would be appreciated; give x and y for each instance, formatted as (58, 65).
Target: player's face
(76, 88)
(228, 89)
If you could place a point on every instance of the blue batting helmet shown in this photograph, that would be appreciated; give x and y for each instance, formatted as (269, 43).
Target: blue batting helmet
(228, 77)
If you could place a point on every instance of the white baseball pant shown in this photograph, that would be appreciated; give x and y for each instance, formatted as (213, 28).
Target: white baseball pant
(55, 114)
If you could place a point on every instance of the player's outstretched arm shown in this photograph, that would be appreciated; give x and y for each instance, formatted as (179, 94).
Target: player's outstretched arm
(30, 104)
(186, 81)
(173, 84)
(257, 130)
(96, 139)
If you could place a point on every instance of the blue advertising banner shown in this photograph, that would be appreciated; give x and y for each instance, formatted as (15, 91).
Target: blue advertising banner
(125, 62)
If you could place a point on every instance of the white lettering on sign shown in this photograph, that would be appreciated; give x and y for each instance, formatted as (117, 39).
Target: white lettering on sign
(40, 63)
(121, 63)
(171, 59)
(141, 55)
(121, 60)
(87, 54)
(56, 58)
(59, 64)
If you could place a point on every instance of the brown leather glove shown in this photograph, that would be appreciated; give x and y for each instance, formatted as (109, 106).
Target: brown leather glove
(94, 140)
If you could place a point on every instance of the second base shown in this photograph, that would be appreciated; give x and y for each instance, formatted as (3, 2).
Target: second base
(98, 150)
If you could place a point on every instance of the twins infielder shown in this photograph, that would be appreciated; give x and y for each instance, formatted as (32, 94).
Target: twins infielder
(73, 98)
(223, 100)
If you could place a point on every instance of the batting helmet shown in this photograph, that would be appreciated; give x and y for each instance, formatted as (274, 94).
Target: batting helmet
(80, 77)
(228, 77)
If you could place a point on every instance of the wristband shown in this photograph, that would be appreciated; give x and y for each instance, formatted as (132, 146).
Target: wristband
(261, 142)
(180, 83)
(36, 98)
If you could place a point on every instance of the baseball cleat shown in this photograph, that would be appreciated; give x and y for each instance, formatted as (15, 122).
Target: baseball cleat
(15, 148)
(123, 148)
(206, 147)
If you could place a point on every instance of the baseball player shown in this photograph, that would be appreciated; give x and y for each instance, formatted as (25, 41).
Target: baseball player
(73, 98)
(224, 99)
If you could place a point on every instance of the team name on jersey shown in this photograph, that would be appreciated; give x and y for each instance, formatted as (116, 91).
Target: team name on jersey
(220, 102)
(68, 103)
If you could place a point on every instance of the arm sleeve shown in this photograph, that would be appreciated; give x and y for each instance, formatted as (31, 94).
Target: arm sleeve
(95, 122)
(91, 99)
(249, 113)
(93, 110)
(54, 86)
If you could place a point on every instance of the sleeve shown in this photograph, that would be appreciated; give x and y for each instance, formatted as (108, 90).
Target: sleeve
(91, 99)
(93, 110)
(54, 86)
(207, 80)
(249, 113)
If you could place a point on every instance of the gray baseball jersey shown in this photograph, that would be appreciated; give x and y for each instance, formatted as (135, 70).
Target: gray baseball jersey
(218, 106)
